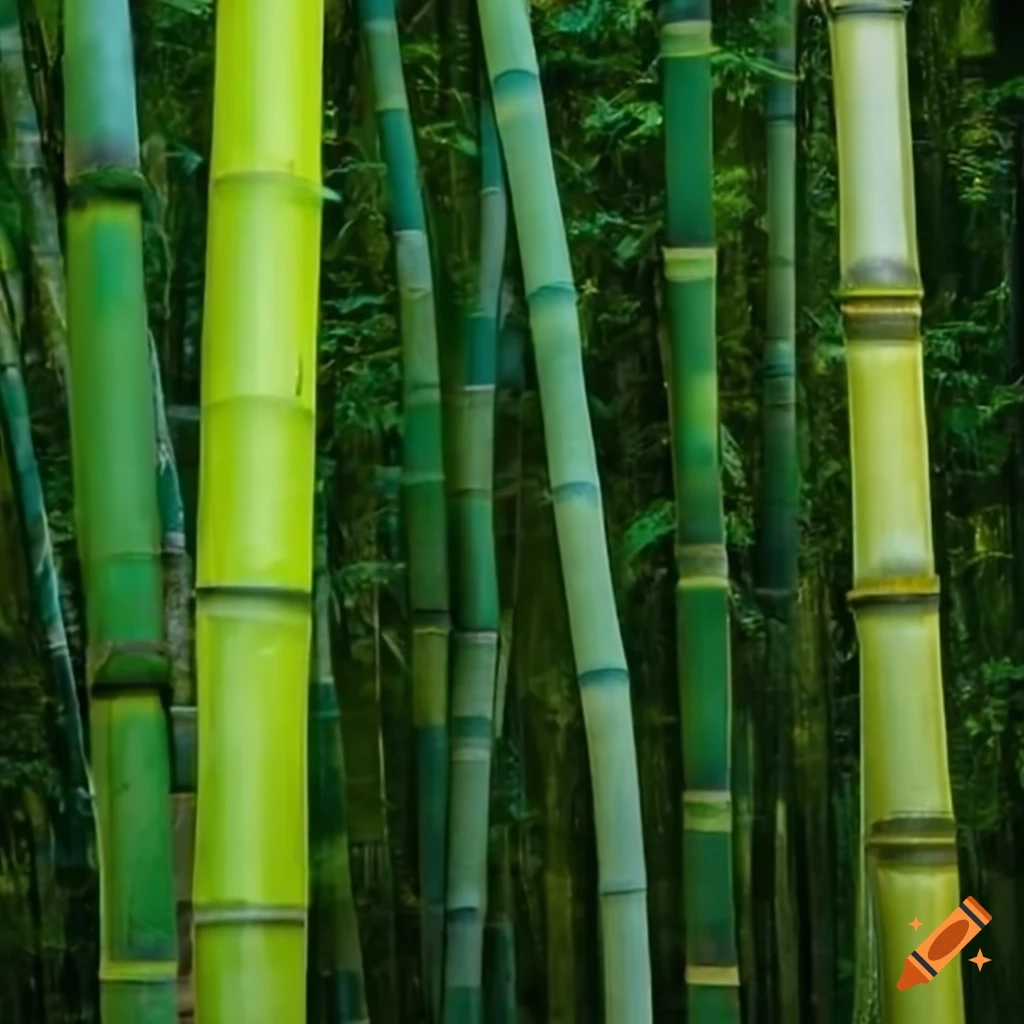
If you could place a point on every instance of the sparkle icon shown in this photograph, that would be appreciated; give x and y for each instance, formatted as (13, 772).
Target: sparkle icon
(980, 959)
(915, 924)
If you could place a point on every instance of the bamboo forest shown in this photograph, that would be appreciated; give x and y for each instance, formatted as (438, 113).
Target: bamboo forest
(511, 511)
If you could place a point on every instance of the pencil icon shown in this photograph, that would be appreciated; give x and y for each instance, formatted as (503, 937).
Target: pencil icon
(944, 943)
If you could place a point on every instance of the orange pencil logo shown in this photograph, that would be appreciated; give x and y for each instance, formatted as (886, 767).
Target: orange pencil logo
(944, 943)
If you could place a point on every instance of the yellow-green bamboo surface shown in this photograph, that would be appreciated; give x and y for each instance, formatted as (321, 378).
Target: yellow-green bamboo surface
(254, 568)
(908, 823)
(576, 497)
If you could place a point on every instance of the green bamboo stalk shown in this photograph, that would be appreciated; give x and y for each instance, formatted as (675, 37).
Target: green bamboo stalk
(114, 452)
(908, 828)
(338, 993)
(500, 995)
(781, 502)
(702, 595)
(77, 828)
(423, 481)
(31, 177)
(576, 495)
(475, 602)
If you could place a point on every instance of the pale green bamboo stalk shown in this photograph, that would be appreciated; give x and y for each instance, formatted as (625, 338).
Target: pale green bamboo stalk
(576, 496)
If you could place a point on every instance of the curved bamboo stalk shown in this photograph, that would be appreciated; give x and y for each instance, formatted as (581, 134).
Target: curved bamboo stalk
(777, 584)
(176, 562)
(114, 452)
(576, 495)
(31, 178)
(475, 597)
(255, 550)
(423, 484)
(77, 830)
(702, 591)
(338, 988)
(177, 578)
(908, 826)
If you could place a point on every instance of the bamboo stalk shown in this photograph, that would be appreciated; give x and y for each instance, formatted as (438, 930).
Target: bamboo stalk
(336, 973)
(475, 597)
(500, 993)
(781, 507)
(114, 452)
(76, 828)
(255, 550)
(177, 578)
(576, 496)
(908, 826)
(702, 591)
(423, 482)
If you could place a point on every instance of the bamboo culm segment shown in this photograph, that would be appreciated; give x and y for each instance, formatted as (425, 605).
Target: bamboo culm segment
(114, 454)
(76, 830)
(256, 477)
(576, 496)
(908, 824)
(338, 991)
(475, 598)
(423, 484)
(702, 611)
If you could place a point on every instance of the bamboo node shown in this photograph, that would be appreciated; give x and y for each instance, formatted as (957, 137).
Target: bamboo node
(304, 189)
(713, 975)
(242, 592)
(251, 913)
(838, 8)
(138, 666)
(880, 315)
(918, 838)
(105, 180)
(707, 810)
(138, 972)
(696, 264)
(895, 590)
(702, 565)
(682, 39)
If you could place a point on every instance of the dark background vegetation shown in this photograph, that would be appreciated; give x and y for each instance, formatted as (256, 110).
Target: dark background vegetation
(600, 74)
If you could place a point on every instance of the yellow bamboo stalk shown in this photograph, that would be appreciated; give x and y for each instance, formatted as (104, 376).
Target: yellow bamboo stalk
(909, 831)
(255, 549)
